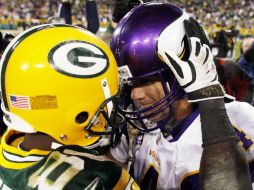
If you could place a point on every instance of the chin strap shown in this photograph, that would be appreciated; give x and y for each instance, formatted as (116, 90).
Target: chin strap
(132, 133)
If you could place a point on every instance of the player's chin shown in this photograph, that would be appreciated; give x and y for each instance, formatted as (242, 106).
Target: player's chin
(160, 116)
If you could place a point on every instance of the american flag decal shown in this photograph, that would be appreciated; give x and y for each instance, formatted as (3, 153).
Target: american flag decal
(21, 102)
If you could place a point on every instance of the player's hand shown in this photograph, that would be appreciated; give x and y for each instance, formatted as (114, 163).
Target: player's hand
(197, 76)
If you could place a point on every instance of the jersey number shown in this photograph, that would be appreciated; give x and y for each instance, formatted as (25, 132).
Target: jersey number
(58, 170)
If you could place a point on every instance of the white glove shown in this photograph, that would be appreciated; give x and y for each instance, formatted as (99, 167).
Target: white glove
(198, 75)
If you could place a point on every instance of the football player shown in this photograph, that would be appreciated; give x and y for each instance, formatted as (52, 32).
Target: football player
(171, 94)
(58, 85)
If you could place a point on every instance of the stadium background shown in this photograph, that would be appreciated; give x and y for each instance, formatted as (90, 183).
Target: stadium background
(213, 14)
(227, 22)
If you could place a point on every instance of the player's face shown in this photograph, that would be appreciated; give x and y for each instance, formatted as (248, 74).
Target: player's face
(146, 93)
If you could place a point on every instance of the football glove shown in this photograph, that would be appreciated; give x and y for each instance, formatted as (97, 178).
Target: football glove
(197, 76)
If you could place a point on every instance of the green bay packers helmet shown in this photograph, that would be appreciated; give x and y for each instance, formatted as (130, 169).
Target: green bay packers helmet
(59, 80)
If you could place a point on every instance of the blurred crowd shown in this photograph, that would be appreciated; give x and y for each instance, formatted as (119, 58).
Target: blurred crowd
(226, 14)
(229, 24)
(24, 13)
(213, 14)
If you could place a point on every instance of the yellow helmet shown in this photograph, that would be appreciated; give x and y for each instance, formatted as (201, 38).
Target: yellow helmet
(54, 80)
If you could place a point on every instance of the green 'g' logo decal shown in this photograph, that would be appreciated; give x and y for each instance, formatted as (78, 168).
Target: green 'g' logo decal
(78, 59)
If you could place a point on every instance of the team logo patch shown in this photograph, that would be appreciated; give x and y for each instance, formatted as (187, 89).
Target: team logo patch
(78, 59)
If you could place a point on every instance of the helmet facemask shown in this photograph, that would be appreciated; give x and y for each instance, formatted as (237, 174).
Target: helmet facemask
(149, 118)
(136, 41)
(115, 122)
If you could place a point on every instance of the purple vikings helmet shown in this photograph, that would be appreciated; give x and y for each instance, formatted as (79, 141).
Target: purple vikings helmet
(136, 40)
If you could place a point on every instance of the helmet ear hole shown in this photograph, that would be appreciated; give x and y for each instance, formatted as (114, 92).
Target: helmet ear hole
(81, 117)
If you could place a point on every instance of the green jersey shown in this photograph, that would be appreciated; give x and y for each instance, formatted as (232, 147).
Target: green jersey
(68, 168)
